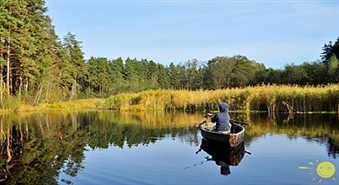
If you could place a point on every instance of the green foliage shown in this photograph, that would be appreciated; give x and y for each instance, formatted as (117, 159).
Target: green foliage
(329, 50)
(12, 103)
(174, 76)
(2, 61)
(226, 72)
(333, 69)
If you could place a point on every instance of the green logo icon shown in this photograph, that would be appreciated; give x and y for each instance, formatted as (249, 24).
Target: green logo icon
(324, 170)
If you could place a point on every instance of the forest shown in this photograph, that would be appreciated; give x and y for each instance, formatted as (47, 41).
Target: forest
(36, 66)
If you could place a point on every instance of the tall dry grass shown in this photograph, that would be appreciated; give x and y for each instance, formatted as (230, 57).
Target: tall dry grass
(270, 98)
(83, 104)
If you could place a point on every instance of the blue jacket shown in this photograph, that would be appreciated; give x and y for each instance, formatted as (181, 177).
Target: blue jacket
(222, 119)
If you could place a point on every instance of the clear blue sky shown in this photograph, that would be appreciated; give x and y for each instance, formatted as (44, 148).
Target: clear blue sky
(272, 32)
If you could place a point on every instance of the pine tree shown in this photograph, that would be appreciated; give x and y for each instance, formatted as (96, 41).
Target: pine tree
(174, 76)
(118, 80)
(329, 50)
(76, 68)
(163, 77)
(10, 28)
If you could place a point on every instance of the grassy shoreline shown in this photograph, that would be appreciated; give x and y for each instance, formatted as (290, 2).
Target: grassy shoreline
(264, 98)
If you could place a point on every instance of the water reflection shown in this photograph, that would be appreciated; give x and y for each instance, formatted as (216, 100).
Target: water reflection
(223, 155)
(36, 148)
(321, 128)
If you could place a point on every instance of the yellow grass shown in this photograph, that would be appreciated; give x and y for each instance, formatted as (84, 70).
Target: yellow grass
(69, 105)
(271, 98)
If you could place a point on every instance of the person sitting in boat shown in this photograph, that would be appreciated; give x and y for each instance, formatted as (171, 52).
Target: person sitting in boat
(222, 119)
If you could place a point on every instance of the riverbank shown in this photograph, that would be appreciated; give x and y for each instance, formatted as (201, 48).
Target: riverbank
(82, 104)
(264, 98)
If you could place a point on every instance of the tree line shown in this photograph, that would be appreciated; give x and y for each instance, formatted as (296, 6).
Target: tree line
(36, 66)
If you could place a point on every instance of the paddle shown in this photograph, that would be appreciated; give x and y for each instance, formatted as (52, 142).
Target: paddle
(232, 120)
(203, 121)
(239, 122)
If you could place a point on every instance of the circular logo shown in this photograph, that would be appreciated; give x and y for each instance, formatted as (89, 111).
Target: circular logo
(325, 169)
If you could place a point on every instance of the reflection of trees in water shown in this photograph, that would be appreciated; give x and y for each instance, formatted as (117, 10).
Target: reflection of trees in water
(45, 144)
(35, 148)
(321, 128)
(25, 160)
(333, 148)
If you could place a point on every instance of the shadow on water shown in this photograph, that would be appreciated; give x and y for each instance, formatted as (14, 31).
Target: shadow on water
(36, 148)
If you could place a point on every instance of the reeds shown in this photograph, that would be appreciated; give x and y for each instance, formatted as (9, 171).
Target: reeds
(270, 98)
(83, 104)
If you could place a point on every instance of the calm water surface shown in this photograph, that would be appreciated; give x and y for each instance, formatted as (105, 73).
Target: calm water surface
(163, 148)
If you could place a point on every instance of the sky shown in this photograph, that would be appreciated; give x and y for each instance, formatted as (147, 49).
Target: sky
(275, 33)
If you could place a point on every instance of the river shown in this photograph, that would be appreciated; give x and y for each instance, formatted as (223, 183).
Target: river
(105, 147)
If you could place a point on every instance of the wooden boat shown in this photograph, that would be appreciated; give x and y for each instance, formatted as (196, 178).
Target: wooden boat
(234, 138)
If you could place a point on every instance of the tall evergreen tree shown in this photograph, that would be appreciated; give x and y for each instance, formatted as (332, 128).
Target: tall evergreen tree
(329, 50)
(183, 77)
(152, 75)
(4, 15)
(76, 66)
(174, 76)
(28, 47)
(99, 75)
(10, 28)
(33, 54)
(131, 75)
(163, 77)
(118, 77)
